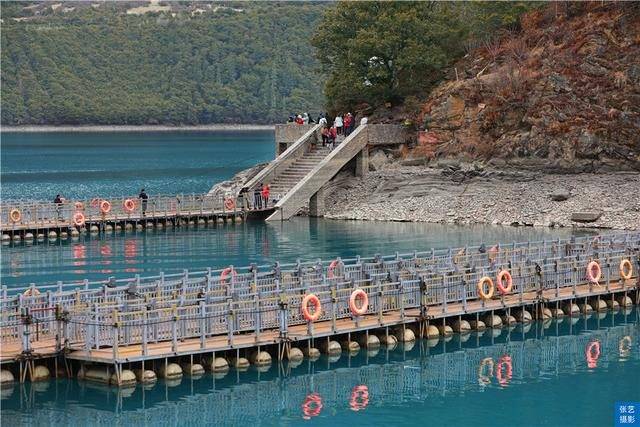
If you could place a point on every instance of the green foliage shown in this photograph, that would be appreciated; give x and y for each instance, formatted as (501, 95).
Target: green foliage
(102, 66)
(377, 52)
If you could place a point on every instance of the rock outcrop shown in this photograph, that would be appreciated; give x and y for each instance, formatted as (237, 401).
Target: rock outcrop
(562, 95)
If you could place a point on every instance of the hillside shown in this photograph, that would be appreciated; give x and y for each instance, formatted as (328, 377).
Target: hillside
(157, 63)
(563, 93)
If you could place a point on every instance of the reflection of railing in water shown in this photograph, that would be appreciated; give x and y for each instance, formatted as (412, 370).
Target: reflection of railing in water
(250, 299)
(423, 374)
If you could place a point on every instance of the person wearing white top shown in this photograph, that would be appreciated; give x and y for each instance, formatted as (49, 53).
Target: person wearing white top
(363, 121)
(338, 124)
(323, 122)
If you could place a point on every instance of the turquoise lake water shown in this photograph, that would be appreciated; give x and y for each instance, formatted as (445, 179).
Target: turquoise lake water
(86, 165)
(550, 383)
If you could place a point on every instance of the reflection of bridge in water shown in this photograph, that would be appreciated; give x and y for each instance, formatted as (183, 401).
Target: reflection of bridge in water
(468, 364)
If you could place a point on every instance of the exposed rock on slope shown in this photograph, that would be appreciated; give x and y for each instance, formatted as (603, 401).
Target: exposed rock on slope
(564, 92)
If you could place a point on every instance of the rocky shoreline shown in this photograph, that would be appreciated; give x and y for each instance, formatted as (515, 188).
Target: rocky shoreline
(472, 194)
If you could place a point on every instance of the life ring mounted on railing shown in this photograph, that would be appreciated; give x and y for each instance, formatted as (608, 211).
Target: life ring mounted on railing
(317, 308)
(502, 276)
(229, 271)
(78, 219)
(15, 215)
(358, 295)
(626, 269)
(129, 205)
(481, 283)
(594, 272)
(105, 206)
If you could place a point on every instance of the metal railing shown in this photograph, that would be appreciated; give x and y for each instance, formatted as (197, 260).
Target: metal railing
(141, 310)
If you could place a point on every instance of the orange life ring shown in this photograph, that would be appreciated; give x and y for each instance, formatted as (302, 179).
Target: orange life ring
(485, 295)
(95, 202)
(229, 204)
(79, 206)
(626, 269)
(78, 219)
(359, 398)
(31, 292)
(312, 406)
(332, 268)
(317, 307)
(505, 361)
(105, 206)
(358, 293)
(594, 272)
(592, 354)
(15, 215)
(129, 205)
(225, 273)
(485, 378)
(504, 274)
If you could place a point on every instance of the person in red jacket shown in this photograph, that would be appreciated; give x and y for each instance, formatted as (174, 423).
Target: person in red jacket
(348, 119)
(333, 134)
(265, 194)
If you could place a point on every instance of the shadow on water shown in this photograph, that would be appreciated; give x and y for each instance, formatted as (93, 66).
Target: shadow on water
(530, 374)
(171, 251)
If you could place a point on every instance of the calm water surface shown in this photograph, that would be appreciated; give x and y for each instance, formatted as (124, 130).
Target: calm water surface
(85, 165)
(437, 384)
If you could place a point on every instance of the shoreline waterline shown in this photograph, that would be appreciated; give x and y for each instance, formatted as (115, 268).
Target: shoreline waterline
(134, 128)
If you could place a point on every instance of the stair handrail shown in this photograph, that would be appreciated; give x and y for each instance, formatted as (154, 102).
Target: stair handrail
(290, 152)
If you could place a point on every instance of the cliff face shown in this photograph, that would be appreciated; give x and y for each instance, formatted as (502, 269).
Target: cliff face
(563, 93)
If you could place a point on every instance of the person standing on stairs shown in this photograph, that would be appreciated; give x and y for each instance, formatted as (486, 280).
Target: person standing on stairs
(337, 123)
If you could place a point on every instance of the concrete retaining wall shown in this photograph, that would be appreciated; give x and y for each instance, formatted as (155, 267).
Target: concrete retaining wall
(288, 133)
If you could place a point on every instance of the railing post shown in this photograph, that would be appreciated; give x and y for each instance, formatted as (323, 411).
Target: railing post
(174, 329)
(203, 324)
(116, 334)
(145, 331)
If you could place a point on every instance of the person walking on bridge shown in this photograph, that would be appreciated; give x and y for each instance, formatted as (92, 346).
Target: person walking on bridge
(266, 191)
(143, 196)
(337, 123)
(58, 201)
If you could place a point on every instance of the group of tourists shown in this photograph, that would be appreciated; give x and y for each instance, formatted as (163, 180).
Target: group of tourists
(302, 119)
(261, 195)
(343, 125)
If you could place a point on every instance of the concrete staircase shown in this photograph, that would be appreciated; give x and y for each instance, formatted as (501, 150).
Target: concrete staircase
(295, 172)
(299, 182)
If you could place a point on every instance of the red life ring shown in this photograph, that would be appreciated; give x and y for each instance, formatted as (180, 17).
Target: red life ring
(312, 406)
(129, 205)
(359, 398)
(594, 272)
(229, 203)
(79, 206)
(15, 215)
(506, 362)
(225, 273)
(317, 307)
(105, 206)
(592, 354)
(95, 202)
(78, 219)
(504, 274)
(358, 293)
(332, 268)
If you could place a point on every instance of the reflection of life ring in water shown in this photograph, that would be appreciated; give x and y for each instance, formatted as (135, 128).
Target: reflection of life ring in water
(359, 398)
(504, 363)
(485, 371)
(312, 406)
(130, 249)
(592, 354)
(624, 347)
(105, 250)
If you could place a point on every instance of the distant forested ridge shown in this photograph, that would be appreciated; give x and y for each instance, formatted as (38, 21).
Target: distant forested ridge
(180, 63)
